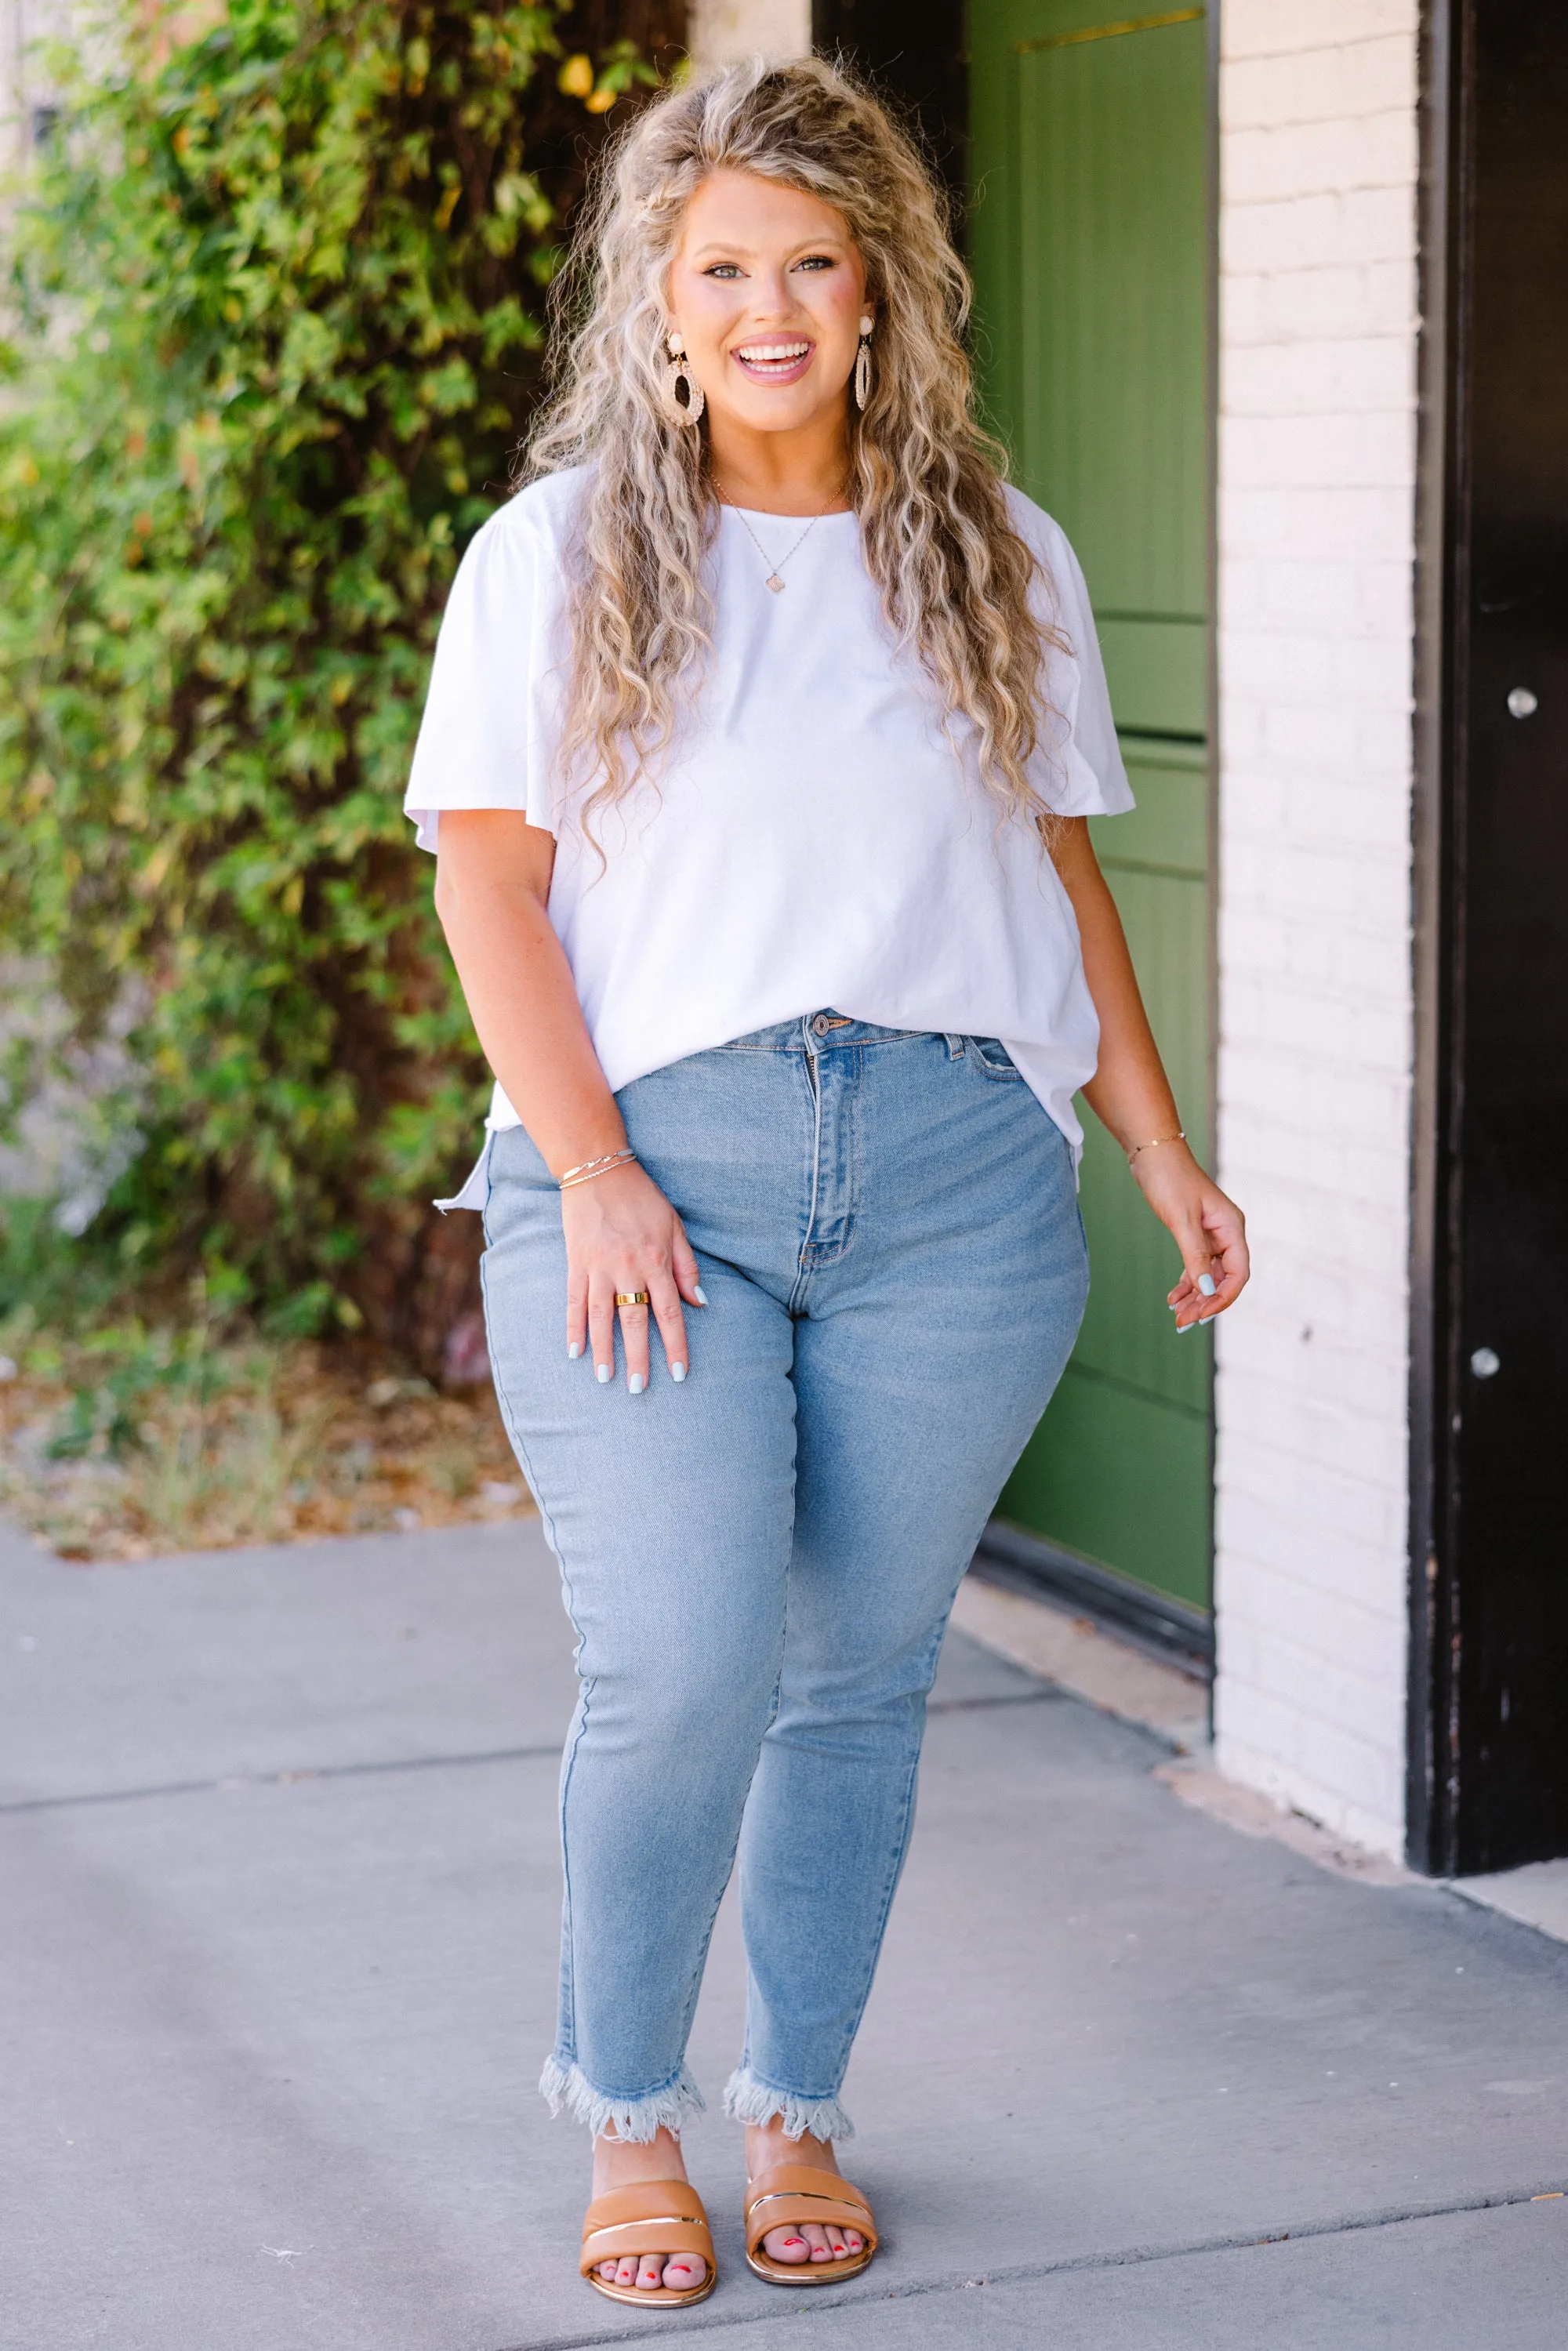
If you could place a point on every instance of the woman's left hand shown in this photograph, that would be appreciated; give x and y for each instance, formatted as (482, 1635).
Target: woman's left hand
(1209, 1230)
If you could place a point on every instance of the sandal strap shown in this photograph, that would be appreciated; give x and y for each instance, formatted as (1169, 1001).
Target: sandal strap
(800, 2191)
(649, 2215)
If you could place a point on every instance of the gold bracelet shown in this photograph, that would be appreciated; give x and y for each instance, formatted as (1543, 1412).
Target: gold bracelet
(589, 1168)
(1179, 1136)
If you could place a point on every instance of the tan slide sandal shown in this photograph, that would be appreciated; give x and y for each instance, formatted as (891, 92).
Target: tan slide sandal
(800, 2191)
(650, 2216)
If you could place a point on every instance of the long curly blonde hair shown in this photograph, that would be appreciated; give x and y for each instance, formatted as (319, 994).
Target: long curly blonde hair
(955, 578)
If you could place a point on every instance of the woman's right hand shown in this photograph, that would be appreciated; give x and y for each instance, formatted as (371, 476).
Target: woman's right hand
(492, 893)
(622, 1234)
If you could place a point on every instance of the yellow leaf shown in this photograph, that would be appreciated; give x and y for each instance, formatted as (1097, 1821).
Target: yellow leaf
(576, 76)
(600, 102)
(292, 896)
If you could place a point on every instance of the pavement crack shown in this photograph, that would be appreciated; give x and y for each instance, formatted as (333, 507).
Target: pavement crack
(231, 1781)
(1074, 2264)
(1006, 1698)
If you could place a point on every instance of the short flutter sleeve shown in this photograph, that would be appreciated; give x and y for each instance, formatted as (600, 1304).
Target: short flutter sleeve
(488, 734)
(1077, 764)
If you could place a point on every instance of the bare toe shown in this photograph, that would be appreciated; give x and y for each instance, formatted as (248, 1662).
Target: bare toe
(685, 2271)
(650, 2274)
(786, 2244)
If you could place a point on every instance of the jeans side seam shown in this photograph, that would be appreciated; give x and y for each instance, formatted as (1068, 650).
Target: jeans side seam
(900, 1851)
(547, 1518)
(773, 1702)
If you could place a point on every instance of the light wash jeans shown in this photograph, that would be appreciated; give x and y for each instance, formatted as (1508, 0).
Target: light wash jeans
(760, 1563)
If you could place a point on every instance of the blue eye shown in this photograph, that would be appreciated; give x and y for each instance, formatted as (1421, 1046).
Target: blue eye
(818, 261)
(722, 269)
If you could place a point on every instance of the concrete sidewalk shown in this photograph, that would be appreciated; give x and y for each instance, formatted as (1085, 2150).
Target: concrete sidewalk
(279, 1958)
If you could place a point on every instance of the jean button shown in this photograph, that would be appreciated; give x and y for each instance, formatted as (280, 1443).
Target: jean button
(821, 1024)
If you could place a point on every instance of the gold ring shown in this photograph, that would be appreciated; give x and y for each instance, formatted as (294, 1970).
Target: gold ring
(630, 1297)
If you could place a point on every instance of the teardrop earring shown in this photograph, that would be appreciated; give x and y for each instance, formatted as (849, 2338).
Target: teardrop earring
(686, 412)
(862, 365)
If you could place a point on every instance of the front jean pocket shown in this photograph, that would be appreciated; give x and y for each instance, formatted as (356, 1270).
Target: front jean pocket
(994, 1058)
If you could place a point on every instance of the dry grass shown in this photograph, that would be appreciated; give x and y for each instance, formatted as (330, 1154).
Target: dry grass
(133, 1444)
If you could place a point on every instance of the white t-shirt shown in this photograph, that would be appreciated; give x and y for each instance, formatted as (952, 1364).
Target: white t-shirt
(814, 838)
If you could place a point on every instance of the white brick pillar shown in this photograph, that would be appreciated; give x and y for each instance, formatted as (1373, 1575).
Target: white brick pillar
(1317, 440)
(721, 31)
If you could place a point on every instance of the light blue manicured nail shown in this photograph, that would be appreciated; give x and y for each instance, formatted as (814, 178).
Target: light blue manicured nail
(1183, 1327)
(574, 1348)
(601, 1372)
(678, 1373)
(636, 1382)
(700, 1294)
(1205, 1283)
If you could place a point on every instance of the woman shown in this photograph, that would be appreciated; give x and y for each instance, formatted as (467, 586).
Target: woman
(763, 732)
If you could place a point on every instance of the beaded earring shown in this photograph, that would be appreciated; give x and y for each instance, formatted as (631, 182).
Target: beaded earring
(862, 365)
(687, 411)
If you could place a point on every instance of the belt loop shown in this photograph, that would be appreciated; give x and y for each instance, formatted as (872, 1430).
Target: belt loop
(955, 1046)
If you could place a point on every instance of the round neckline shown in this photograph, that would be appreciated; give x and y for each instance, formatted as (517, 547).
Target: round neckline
(767, 514)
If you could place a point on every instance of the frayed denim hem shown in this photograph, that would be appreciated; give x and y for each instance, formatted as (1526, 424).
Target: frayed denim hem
(638, 2119)
(748, 2100)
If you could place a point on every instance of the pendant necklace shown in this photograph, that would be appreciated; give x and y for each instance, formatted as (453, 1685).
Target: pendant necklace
(774, 579)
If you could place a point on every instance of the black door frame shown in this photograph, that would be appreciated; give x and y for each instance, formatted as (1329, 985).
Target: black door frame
(1430, 1784)
(1479, 1796)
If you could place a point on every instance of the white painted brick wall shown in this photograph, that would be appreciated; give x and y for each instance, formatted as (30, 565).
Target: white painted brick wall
(1317, 435)
(720, 31)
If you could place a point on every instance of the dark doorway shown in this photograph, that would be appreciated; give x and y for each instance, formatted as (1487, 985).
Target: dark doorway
(1490, 1711)
(914, 52)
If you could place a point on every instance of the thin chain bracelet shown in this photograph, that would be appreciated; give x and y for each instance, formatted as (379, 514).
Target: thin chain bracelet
(589, 1168)
(1179, 1136)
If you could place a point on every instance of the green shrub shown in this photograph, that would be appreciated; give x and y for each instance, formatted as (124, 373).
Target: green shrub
(279, 300)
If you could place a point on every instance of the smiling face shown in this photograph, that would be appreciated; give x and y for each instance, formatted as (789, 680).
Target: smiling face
(768, 289)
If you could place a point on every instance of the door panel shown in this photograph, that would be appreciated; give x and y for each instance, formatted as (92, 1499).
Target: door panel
(1121, 1479)
(1091, 254)
(1158, 672)
(1498, 1762)
(1107, 384)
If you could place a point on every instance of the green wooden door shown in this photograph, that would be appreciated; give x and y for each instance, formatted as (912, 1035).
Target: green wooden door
(1091, 253)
